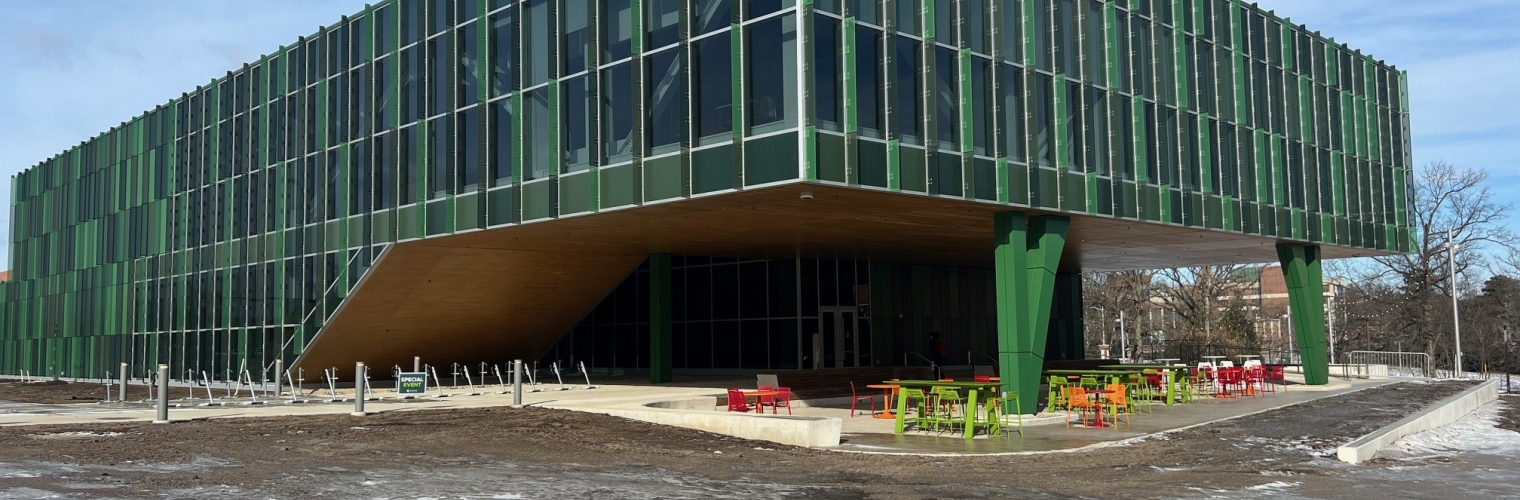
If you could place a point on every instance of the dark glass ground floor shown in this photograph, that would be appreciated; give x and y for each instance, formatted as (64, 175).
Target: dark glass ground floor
(732, 316)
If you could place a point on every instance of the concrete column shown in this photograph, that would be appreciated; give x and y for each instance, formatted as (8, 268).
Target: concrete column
(1306, 298)
(1027, 251)
(661, 355)
(359, 389)
(162, 416)
(122, 394)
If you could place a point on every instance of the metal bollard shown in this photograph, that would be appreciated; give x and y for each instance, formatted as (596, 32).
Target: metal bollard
(359, 377)
(123, 395)
(163, 395)
(279, 368)
(416, 364)
(517, 373)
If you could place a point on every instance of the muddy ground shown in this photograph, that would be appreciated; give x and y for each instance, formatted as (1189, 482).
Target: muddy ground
(1509, 417)
(63, 392)
(542, 453)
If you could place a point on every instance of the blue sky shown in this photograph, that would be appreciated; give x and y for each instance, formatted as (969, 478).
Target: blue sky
(74, 68)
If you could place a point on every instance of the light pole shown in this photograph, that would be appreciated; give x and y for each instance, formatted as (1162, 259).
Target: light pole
(1288, 323)
(1123, 340)
(1330, 317)
(1456, 323)
(1103, 321)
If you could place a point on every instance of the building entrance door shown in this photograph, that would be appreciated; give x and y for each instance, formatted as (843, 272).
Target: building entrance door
(840, 343)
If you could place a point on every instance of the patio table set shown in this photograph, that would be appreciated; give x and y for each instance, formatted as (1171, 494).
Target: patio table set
(1126, 389)
(949, 405)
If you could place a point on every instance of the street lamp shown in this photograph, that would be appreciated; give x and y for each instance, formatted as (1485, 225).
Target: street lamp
(1456, 322)
(1123, 340)
(1103, 321)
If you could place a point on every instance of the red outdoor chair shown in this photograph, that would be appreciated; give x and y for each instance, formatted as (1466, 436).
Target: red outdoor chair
(855, 397)
(1275, 373)
(981, 378)
(736, 401)
(765, 401)
(783, 399)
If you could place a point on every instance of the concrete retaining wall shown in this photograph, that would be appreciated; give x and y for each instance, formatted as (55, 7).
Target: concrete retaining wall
(783, 429)
(1441, 413)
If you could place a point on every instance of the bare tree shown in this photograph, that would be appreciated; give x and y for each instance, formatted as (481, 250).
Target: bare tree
(1203, 298)
(1447, 200)
(1124, 292)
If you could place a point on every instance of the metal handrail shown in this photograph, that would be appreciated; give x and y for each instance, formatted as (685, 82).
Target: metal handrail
(1405, 360)
(932, 364)
(971, 360)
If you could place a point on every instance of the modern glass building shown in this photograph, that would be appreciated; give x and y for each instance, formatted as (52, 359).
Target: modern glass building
(702, 184)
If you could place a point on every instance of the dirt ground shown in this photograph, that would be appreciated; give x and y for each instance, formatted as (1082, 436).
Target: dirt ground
(1509, 417)
(62, 392)
(338, 455)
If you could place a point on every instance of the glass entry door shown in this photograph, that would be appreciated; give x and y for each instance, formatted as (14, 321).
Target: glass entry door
(838, 342)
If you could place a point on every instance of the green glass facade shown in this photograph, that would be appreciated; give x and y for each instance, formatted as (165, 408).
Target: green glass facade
(222, 229)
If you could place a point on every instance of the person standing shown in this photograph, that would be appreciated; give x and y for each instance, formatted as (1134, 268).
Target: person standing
(939, 354)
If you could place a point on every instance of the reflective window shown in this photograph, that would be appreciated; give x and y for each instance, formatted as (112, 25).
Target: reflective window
(1012, 34)
(576, 35)
(773, 74)
(465, 10)
(385, 29)
(385, 171)
(828, 79)
(468, 134)
(469, 73)
(906, 106)
(714, 95)
(983, 100)
(947, 97)
(759, 8)
(440, 15)
(411, 84)
(663, 23)
(1065, 36)
(1040, 103)
(539, 156)
(440, 157)
(1040, 37)
(711, 15)
(663, 125)
(385, 102)
(337, 51)
(908, 16)
(536, 42)
(406, 182)
(577, 123)
(975, 29)
(617, 30)
(502, 145)
(869, 105)
(617, 113)
(359, 109)
(440, 60)
(359, 184)
(867, 11)
(503, 52)
(944, 21)
(411, 15)
(1013, 113)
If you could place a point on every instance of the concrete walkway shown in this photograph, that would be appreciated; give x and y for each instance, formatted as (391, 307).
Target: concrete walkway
(827, 426)
(1048, 433)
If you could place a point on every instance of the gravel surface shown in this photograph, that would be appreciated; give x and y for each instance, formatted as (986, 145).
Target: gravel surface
(543, 453)
(62, 392)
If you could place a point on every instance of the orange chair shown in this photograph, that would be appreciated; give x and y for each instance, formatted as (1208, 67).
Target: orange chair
(766, 401)
(1076, 399)
(1118, 401)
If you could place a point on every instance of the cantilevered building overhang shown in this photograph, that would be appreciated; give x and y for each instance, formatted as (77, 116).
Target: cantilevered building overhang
(468, 185)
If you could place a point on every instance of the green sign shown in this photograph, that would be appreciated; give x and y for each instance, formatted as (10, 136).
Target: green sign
(412, 383)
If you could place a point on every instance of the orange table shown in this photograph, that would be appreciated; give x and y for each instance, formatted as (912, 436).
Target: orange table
(760, 394)
(886, 412)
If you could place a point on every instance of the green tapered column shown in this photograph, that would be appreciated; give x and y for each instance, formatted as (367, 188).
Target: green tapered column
(660, 348)
(1306, 299)
(1028, 249)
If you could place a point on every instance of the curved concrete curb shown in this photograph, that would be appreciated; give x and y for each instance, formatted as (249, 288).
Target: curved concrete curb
(1441, 413)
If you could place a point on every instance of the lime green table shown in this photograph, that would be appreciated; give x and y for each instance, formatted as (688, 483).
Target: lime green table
(1110, 373)
(1171, 379)
(973, 389)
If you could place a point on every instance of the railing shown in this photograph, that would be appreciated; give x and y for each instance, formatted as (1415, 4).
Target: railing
(1400, 364)
(931, 362)
(972, 355)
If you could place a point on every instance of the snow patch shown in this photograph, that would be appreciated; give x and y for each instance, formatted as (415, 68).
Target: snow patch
(1274, 485)
(1475, 432)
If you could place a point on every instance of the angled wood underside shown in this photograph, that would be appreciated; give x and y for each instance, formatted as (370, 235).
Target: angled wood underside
(512, 292)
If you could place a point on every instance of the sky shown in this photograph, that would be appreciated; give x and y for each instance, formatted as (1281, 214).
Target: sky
(75, 68)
